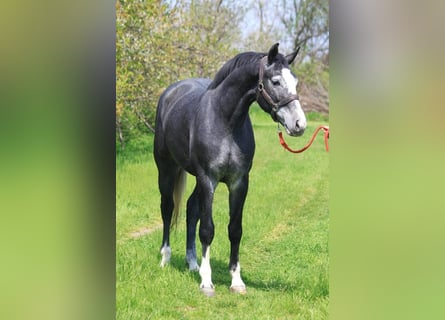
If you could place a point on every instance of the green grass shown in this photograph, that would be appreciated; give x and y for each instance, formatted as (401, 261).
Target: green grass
(284, 250)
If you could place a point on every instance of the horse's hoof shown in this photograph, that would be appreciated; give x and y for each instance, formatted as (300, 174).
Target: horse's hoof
(208, 291)
(166, 253)
(193, 267)
(238, 289)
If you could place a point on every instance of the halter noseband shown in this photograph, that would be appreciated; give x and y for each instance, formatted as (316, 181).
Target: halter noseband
(275, 106)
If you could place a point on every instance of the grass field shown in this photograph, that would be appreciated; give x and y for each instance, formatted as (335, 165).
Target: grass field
(283, 253)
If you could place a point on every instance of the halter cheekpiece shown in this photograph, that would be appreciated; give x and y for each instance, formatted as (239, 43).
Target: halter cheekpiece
(275, 106)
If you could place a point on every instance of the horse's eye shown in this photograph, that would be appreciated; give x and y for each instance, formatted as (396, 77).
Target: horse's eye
(275, 82)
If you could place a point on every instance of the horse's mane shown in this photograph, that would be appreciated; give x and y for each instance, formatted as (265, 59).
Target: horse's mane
(236, 62)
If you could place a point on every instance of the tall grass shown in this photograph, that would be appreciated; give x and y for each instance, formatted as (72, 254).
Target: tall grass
(284, 250)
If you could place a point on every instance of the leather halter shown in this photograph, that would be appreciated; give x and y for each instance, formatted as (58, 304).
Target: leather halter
(275, 106)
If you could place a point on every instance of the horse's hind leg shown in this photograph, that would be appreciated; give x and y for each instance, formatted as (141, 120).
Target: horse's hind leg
(192, 220)
(166, 182)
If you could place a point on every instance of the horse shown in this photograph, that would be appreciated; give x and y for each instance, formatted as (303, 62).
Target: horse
(203, 128)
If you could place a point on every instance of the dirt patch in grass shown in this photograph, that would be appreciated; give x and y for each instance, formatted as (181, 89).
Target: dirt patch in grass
(142, 231)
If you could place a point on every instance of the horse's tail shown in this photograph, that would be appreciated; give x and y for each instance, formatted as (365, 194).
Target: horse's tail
(178, 192)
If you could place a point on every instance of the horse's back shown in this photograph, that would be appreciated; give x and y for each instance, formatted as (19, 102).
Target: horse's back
(181, 97)
(177, 108)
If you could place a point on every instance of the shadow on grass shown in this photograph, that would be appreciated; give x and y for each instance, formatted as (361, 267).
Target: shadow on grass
(220, 270)
(221, 277)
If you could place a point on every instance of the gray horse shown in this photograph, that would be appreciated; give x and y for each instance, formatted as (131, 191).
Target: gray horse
(203, 128)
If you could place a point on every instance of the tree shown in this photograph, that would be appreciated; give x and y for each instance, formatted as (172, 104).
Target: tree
(307, 25)
(139, 25)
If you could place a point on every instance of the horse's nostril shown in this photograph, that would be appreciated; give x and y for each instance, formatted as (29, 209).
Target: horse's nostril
(297, 125)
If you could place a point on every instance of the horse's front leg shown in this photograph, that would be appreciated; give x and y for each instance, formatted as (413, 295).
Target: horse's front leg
(206, 189)
(237, 197)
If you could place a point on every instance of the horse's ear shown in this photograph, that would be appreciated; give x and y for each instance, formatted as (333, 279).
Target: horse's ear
(273, 51)
(291, 57)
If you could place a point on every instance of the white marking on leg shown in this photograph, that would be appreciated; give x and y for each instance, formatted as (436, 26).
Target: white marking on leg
(166, 253)
(205, 271)
(237, 283)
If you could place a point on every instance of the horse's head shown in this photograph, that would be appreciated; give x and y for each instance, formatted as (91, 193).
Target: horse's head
(277, 91)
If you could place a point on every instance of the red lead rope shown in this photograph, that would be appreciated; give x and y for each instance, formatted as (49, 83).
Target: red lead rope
(326, 137)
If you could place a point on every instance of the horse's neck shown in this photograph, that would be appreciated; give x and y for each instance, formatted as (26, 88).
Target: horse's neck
(237, 93)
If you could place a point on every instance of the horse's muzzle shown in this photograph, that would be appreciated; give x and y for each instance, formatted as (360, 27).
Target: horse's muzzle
(297, 132)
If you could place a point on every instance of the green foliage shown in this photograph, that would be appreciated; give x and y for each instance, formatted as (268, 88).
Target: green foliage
(317, 117)
(312, 73)
(284, 250)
